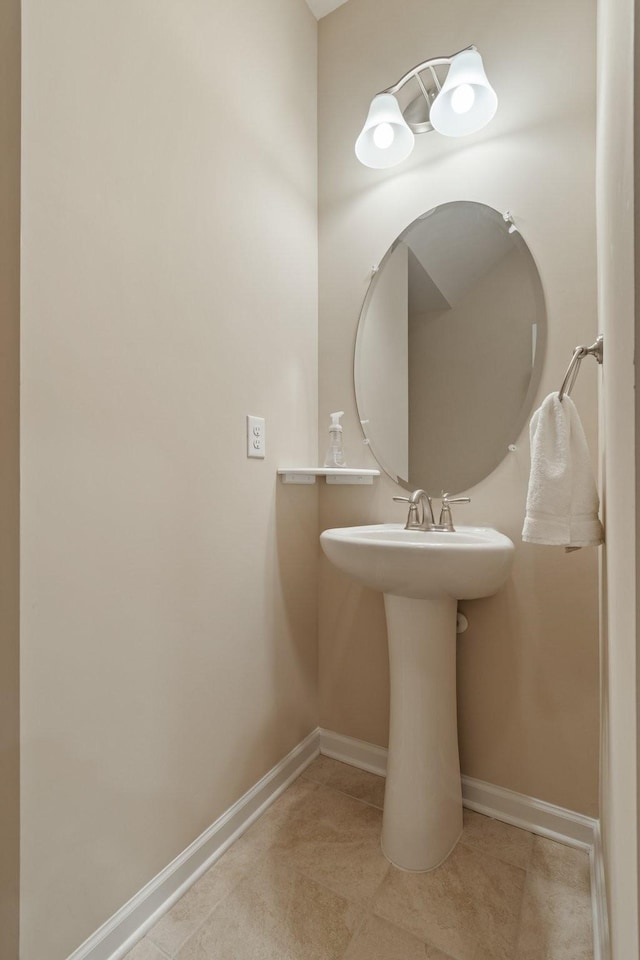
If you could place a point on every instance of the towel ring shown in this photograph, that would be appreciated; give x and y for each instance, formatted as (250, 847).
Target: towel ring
(595, 350)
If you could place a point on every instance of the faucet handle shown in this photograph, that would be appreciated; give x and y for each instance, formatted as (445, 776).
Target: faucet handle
(446, 499)
(414, 520)
(446, 521)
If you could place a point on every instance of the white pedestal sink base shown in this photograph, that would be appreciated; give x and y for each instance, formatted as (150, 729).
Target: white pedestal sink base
(420, 572)
(422, 819)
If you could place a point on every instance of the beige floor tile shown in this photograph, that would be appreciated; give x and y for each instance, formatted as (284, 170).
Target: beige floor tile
(471, 900)
(335, 840)
(497, 839)
(557, 861)
(432, 953)
(196, 905)
(145, 950)
(274, 822)
(275, 914)
(192, 910)
(556, 910)
(380, 940)
(482, 953)
(300, 882)
(342, 776)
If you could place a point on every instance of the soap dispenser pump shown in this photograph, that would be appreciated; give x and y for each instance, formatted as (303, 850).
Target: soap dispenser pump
(335, 450)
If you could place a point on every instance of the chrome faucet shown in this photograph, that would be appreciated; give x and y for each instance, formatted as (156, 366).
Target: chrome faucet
(419, 519)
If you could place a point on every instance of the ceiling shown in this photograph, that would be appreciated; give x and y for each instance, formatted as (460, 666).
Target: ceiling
(320, 8)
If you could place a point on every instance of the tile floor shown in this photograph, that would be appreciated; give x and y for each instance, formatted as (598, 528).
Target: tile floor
(308, 882)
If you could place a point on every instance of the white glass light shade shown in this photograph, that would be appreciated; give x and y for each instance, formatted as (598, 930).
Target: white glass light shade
(382, 149)
(467, 101)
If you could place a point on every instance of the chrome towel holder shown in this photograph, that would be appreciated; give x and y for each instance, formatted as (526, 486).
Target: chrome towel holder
(595, 350)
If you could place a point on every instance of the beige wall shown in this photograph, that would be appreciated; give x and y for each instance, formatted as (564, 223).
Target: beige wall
(169, 289)
(616, 265)
(9, 472)
(528, 665)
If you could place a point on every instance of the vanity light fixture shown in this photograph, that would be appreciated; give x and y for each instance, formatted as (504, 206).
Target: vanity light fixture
(464, 103)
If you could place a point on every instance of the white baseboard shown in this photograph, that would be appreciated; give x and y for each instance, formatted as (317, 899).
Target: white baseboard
(529, 813)
(537, 816)
(601, 935)
(358, 753)
(121, 932)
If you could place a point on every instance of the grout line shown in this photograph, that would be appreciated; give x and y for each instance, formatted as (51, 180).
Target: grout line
(521, 910)
(407, 929)
(364, 905)
(342, 793)
(390, 867)
(492, 856)
(159, 949)
(366, 913)
(241, 878)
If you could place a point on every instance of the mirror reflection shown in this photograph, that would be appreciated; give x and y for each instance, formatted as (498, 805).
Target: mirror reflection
(449, 348)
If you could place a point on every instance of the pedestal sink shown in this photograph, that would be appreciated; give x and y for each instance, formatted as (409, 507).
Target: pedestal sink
(422, 574)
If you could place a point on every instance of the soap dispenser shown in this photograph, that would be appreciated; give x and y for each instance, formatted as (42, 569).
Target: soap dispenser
(335, 450)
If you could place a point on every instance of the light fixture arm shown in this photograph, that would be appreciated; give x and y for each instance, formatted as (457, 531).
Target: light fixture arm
(433, 62)
(425, 126)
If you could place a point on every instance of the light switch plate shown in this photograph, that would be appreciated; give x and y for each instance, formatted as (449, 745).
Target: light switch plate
(256, 437)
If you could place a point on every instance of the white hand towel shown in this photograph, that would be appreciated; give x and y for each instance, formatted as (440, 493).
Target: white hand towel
(562, 500)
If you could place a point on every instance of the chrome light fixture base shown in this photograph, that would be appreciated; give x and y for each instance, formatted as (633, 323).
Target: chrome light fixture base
(416, 113)
(463, 104)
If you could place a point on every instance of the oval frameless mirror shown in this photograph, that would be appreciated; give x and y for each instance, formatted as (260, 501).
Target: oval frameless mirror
(449, 348)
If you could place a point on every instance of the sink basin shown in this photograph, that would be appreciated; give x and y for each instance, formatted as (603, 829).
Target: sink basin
(471, 562)
(422, 575)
